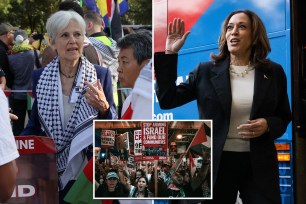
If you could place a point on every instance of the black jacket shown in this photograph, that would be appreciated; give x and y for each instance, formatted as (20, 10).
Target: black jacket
(4, 64)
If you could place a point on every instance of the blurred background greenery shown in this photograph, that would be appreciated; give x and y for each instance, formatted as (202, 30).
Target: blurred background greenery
(31, 15)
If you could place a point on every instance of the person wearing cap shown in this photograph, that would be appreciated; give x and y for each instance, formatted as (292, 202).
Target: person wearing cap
(6, 40)
(21, 63)
(112, 188)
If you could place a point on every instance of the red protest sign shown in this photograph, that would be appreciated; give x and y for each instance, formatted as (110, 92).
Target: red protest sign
(37, 179)
(107, 138)
(154, 140)
(137, 145)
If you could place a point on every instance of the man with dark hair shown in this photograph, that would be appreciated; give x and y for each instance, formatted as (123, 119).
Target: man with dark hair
(135, 52)
(139, 173)
(71, 5)
(6, 40)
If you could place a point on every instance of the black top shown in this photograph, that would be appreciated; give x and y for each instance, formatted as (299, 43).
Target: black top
(98, 34)
(4, 64)
(120, 191)
(1, 73)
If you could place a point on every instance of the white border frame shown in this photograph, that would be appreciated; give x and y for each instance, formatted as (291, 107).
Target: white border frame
(154, 198)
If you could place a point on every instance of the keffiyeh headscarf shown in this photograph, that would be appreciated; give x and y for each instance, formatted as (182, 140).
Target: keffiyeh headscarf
(77, 135)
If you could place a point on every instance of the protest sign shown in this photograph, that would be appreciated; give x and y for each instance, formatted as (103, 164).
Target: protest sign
(107, 138)
(122, 141)
(36, 180)
(154, 140)
(137, 145)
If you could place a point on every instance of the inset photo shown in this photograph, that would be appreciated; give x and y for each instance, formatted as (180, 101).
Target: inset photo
(153, 159)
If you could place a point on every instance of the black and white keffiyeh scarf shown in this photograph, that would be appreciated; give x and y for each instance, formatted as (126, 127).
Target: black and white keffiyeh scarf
(110, 56)
(77, 135)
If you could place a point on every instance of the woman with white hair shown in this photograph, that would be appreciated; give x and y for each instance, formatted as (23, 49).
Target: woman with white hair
(70, 92)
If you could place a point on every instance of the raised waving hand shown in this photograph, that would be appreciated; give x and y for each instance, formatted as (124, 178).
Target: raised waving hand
(176, 36)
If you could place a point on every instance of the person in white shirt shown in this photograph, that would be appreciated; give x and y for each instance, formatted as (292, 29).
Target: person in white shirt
(142, 94)
(8, 152)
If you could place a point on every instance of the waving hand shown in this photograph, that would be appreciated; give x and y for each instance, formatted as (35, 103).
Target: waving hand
(176, 36)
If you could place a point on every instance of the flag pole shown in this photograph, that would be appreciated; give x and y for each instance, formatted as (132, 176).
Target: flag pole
(156, 177)
(183, 154)
(107, 156)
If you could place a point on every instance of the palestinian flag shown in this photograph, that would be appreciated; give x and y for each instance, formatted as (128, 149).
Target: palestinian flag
(202, 140)
(82, 190)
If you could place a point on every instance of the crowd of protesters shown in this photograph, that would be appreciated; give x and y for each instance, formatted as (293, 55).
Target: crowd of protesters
(117, 179)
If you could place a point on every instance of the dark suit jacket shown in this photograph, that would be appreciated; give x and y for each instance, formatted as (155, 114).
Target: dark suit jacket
(209, 84)
(34, 128)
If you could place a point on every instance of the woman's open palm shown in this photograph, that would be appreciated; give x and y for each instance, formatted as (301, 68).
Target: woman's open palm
(176, 35)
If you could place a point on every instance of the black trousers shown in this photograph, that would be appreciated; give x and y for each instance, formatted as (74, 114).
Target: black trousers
(235, 174)
(19, 108)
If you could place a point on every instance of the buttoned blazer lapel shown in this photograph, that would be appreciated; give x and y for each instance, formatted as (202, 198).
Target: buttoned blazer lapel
(262, 84)
(220, 80)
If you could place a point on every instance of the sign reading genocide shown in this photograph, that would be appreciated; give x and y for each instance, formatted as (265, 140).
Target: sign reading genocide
(107, 138)
(154, 140)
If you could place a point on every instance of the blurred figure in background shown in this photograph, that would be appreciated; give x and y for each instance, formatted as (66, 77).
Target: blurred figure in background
(105, 45)
(6, 39)
(22, 63)
(2, 79)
